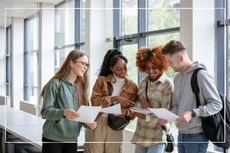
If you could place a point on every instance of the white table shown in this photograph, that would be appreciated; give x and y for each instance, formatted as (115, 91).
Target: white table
(26, 126)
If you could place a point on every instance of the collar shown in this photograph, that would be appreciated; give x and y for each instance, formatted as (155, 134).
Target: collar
(118, 80)
(109, 78)
(161, 79)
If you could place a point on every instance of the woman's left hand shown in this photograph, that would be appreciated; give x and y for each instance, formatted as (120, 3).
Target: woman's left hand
(92, 125)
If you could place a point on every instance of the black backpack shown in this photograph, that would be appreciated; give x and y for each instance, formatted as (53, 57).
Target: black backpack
(216, 127)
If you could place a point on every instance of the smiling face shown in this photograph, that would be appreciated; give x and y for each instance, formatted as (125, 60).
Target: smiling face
(79, 66)
(152, 71)
(119, 69)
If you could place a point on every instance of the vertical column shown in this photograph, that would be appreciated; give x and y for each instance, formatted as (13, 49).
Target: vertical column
(95, 37)
(46, 44)
(197, 31)
(2, 62)
(17, 61)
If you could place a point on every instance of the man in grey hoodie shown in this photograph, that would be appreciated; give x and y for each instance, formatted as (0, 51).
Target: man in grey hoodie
(191, 138)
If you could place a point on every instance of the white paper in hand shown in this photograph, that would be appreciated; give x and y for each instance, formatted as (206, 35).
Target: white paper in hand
(140, 110)
(164, 114)
(115, 109)
(88, 114)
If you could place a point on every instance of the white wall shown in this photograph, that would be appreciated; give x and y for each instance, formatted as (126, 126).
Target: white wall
(197, 31)
(17, 60)
(46, 44)
(95, 37)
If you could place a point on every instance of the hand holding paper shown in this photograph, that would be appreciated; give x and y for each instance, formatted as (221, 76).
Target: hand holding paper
(140, 110)
(87, 114)
(164, 114)
(115, 109)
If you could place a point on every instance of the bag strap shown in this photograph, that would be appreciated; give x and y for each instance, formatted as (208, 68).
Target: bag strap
(110, 88)
(194, 85)
(146, 91)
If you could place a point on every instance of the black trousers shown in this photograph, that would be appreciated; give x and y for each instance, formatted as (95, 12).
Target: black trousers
(58, 147)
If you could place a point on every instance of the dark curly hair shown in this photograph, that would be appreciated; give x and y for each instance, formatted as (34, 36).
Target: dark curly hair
(145, 54)
(110, 59)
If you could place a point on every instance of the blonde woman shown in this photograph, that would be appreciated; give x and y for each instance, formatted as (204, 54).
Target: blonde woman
(62, 96)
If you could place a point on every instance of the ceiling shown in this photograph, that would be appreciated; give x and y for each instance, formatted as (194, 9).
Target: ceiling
(19, 8)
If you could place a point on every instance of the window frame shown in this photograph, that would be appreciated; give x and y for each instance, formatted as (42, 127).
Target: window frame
(8, 61)
(27, 85)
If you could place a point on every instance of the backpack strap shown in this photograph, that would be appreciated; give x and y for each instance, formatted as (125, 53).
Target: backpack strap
(194, 85)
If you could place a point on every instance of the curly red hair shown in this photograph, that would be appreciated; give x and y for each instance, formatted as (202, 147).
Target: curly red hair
(154, 55)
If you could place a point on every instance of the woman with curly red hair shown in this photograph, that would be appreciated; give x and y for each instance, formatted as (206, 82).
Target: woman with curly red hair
(154, 92)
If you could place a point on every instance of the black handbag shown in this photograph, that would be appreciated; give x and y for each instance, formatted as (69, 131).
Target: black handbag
(116, 122)
(169, 146)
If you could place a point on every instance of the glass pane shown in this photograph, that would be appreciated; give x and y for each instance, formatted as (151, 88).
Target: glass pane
(8, 60)
(64, 24)
(108, 45)
(129, 51)
(129, 17)
(163, 39)
(32, 34)
(60, 56)
(163, 14)
(109, 19)
(33, 77)
(228, 7)
(228, 63)
(82, 21)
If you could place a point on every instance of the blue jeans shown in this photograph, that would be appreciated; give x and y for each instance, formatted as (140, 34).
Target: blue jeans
(158, 148)
(192, 143)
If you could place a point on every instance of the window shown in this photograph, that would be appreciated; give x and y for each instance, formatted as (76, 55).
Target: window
(69, 29)
(8, 60)
(144, 23)
(64, 24)
(129, 16)
(163, 14)
(31, 59)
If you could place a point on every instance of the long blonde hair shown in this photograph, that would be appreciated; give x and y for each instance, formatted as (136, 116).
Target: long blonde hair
(80, 82)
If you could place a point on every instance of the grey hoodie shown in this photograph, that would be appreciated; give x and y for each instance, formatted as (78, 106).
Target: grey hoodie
(184, 99)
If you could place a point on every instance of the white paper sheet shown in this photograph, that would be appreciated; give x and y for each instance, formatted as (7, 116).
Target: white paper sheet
(115, 109)
(164, 114)
(88, 114)
(140, 110)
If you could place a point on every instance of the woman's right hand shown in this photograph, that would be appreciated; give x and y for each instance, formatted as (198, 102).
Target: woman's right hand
(124, 102)
(71, 114)
(145, 104)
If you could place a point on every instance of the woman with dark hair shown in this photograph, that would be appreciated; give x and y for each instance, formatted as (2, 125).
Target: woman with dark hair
(111, 87)
(154, 92)
(62, 96)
